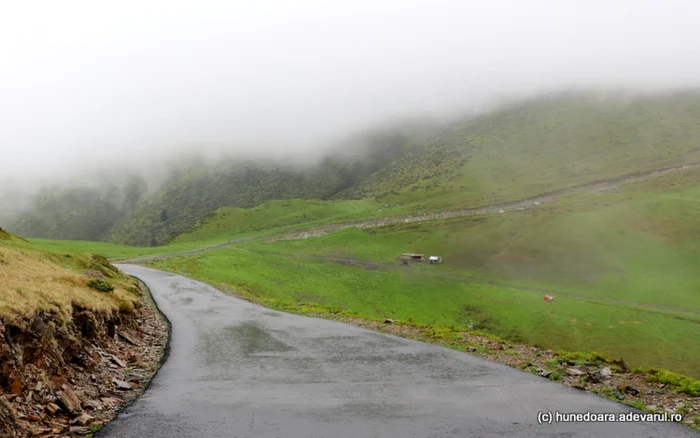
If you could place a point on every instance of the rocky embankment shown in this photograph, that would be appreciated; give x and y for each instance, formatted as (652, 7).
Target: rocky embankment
(68, 380)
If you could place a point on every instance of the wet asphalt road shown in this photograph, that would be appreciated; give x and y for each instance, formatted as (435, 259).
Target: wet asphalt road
(236, 369)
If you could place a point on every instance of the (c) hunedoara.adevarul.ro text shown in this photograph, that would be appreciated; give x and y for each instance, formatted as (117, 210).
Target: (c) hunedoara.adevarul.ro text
(549, 417)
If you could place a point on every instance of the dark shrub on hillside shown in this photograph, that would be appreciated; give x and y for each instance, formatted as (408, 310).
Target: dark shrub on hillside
(100, 285)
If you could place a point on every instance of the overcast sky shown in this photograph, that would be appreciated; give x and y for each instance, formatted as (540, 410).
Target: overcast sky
(100, 82)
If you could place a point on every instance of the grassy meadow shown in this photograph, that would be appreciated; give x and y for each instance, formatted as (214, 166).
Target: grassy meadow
(638, 243)
(277, 216)
(114, 250)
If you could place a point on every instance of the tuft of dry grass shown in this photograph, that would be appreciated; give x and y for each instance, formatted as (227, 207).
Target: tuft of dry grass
(34, 281)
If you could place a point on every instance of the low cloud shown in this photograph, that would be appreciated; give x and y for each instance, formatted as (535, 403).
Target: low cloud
(87, 85)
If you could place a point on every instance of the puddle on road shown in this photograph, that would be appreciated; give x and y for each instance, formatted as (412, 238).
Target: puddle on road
(186, 301)
(229, 343)
(368, 410)
(250, 351)
(252, 339)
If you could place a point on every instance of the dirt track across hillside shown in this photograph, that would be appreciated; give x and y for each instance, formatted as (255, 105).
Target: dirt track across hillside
(523, 204)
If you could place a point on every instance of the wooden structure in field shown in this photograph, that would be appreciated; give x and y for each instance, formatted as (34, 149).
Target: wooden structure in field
(408, 257)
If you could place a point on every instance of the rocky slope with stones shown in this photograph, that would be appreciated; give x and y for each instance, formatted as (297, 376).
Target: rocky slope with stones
(70, 379)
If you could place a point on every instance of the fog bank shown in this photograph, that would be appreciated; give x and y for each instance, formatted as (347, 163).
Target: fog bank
(89, 84)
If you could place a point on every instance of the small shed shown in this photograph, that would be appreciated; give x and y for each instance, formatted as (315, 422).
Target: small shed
(408, 257)
(435, 259)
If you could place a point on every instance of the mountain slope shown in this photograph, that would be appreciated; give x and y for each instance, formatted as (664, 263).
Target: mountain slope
(202, 190)
(194, 189)
(78, 213)
(542, 145)
(536, 146)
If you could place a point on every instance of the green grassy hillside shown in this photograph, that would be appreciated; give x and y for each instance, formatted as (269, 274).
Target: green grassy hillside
(193, 195)
(539, 146)
(522, 151)
(639, 242)
(114, 250)
(276, 216)
(130, 214)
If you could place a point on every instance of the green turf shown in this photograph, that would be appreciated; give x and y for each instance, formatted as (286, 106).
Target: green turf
(112, 250)
(278, 216)
(638, 244)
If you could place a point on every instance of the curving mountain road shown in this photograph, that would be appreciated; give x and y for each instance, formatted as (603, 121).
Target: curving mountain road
(236, 369)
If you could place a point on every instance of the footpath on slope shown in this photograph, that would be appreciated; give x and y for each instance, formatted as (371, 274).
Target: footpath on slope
(522, 204)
